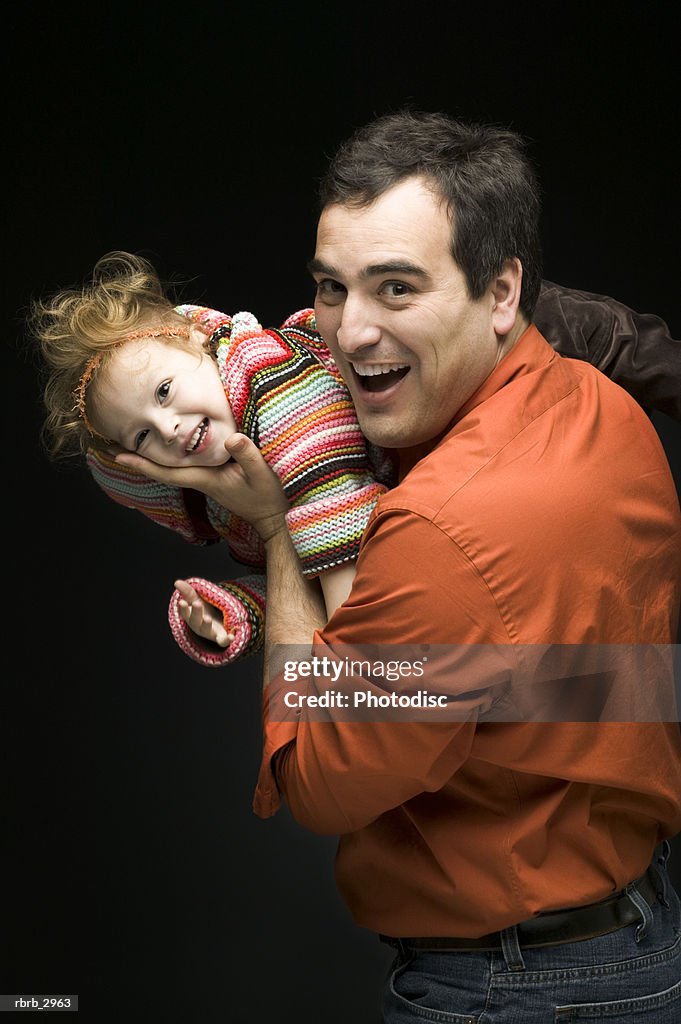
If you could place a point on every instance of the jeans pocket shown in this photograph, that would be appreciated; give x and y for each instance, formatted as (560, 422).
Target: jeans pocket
(658, 1008)
(412, 995)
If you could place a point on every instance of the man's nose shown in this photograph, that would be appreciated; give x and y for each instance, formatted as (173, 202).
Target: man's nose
(358, 327)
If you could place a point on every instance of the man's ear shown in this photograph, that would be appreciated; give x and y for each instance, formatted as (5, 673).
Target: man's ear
(506, 289)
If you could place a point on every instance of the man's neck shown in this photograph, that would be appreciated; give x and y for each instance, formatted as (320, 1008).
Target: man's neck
(513, 336)
(408, 457)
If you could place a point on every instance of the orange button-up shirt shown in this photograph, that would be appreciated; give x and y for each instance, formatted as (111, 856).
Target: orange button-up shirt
(546, 514)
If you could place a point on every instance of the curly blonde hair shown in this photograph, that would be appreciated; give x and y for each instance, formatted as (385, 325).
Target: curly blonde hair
(72, 326)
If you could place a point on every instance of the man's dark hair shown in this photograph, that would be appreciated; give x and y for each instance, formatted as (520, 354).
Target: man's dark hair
(480, 170)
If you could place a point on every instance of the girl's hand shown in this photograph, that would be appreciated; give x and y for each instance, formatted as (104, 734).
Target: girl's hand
(245, 484)
(202, 618)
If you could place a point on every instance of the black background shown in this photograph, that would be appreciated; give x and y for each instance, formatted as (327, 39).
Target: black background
(138, 876)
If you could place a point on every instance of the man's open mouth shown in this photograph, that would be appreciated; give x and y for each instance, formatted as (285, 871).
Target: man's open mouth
(198, 436)
(378, 378)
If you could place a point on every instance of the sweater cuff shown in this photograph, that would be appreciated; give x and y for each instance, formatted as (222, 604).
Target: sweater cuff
(328, 532)
(242, 604)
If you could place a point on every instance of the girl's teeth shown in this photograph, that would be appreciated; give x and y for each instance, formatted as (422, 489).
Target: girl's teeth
(196, 436)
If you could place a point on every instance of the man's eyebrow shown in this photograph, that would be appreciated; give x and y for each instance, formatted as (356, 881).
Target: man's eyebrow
(393, 267)
(317, 266)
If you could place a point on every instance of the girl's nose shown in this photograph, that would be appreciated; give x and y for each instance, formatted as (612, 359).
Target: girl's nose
(168, 427)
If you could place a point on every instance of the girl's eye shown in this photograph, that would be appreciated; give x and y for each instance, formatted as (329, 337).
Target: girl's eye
(139, 440)
(163, 390)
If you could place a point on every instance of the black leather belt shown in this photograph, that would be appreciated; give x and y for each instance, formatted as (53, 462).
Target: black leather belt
(555, 926)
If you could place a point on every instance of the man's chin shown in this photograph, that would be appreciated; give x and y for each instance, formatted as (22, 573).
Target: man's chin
(386, 434)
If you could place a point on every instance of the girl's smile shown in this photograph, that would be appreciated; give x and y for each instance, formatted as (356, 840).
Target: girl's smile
(164, 400)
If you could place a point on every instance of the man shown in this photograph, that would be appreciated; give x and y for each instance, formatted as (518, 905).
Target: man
(516, 867)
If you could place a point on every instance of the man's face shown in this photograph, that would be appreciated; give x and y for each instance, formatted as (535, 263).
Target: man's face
(394, 309)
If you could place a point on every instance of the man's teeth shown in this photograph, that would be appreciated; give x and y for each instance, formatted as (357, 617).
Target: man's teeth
(197, 436)
(369, 370)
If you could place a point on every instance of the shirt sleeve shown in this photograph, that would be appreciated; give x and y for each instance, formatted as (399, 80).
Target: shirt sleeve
(338, 776)
(635, 350)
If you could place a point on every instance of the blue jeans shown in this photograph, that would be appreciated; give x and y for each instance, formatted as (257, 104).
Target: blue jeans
(632, 976)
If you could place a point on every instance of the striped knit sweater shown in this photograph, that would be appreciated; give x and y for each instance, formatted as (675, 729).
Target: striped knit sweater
(286, 394)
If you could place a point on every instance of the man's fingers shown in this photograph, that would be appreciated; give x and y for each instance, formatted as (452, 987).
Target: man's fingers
(245, 453)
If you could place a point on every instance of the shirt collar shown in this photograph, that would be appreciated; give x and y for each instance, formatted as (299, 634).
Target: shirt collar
(530, 352)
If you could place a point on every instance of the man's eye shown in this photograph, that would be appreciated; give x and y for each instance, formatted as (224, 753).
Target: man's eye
(163, 390)
(140, 439)
(330, 291)
(396, 289)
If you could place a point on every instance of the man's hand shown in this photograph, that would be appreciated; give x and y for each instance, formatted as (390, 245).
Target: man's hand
(202, 618)
(245, 484)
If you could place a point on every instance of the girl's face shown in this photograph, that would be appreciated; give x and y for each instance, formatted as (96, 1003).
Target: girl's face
(164, 402)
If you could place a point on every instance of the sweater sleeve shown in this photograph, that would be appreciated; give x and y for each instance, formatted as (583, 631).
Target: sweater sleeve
(187, 512)
(242, 605)
(286, 396)
(175, 508)
(635, 349)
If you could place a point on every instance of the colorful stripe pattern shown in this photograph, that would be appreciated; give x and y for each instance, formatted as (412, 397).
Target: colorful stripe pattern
(192, 515)
(242, 604)
(288, 397)
(163, 504)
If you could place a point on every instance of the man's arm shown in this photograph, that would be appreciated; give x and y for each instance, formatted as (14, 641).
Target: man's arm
(295, 605)
(338, 775)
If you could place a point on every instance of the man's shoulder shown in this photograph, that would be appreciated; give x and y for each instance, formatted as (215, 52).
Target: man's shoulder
(564, 425)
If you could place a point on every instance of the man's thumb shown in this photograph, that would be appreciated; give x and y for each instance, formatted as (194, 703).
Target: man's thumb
(240, 447)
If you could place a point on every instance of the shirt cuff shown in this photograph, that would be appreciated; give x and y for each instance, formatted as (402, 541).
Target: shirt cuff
(267, 798)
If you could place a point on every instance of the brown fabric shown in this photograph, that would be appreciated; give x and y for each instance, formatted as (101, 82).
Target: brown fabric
(634, 349)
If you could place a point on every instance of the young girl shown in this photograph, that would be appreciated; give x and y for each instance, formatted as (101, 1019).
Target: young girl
(128, 370)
